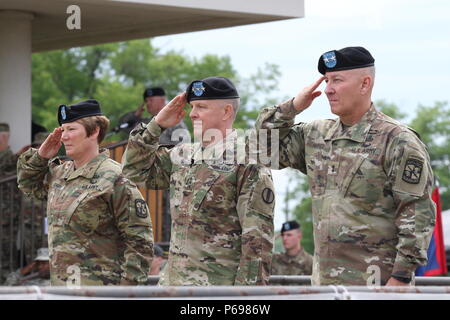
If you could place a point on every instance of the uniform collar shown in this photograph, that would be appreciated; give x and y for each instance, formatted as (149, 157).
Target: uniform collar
(88, 170)
(356, 132)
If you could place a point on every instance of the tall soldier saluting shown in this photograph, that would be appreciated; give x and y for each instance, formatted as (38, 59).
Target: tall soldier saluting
(370, 177)
(222, 211)
(100, 232)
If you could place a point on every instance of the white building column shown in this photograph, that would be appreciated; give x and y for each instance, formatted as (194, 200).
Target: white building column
(15, 75)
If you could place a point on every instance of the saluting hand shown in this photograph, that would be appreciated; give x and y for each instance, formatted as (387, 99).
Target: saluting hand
(138, 113)
(51, 145)
(172, 113)
(305, 97)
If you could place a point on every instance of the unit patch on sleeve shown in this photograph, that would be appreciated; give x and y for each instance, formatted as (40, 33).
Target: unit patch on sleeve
(141, 208)
(268, 195)
(412, 171)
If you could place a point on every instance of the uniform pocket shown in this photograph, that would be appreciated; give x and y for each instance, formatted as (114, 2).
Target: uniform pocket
(73, 206)
(83, 213)
(201, 193)
(363, 184)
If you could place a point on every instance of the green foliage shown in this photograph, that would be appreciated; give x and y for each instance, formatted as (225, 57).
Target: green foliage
(298, 188)
(390, 109)
(433, 125)
(116, 74)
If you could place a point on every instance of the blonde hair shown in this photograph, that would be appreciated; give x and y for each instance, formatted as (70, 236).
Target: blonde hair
(91, 123)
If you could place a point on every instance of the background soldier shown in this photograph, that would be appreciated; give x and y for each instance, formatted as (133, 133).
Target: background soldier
(154, 101)
(35, 274)
(100, 231)
(9, 205)
(295, 260)
(222, 211)
(369, 176)
(8, 160)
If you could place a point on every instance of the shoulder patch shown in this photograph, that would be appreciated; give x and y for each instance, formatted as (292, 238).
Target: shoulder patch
(141, 208)
(412, 170)
(268, 195)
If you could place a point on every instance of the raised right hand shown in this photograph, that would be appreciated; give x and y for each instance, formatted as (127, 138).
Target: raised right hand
(305, 97)
(51, 145)
(173, 112)
(138, 113)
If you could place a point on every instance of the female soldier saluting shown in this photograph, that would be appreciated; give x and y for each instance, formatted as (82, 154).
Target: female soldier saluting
(100, 230)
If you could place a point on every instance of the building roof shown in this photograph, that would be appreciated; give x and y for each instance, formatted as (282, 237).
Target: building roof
(104, 21)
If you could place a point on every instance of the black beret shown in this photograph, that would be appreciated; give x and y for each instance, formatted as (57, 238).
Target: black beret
(290, 225)
(87, 108)
(345, 59)
(153, 92)
(212, 88)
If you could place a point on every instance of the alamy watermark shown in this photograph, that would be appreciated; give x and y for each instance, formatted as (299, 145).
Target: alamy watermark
(73, 22)
(238, 146)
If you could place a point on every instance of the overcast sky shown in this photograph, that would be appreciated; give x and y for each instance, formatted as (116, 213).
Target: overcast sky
(409, 40)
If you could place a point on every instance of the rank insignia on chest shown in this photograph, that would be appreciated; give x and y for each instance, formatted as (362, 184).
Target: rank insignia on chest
(412, 171)
(141, 208)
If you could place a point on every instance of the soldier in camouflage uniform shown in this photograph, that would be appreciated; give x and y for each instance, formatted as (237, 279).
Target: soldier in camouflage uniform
(34, 274)
(8, 160)
(9, 203)
(222, 211)
(295, 260)
(370, 177)
(100, 232)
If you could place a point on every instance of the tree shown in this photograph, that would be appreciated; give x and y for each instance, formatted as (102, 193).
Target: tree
(116, 74)
(390, 109)
(433, 125)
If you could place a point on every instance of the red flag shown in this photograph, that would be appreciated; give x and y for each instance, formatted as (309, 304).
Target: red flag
(437, 264)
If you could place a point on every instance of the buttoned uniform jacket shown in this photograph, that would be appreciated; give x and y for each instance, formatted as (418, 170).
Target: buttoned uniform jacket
(100, 231)
(222, 211)
(371, 186)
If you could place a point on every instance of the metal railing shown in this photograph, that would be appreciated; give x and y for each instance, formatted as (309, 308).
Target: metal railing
(228, 293)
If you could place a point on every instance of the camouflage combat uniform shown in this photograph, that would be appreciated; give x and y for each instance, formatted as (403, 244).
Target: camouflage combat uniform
(300, 264)
(165, 139)
(9, 206)
(222, 229)
(8, 161)
(371, 189)
(100, 229)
